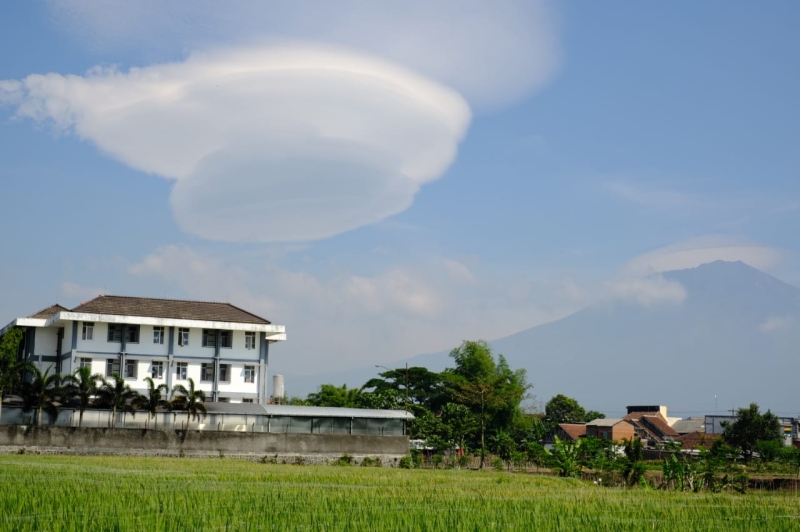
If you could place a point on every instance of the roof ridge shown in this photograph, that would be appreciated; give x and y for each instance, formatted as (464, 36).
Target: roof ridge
(164, 299)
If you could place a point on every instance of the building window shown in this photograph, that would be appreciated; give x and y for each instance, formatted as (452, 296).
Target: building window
(115, 333)
(226, 339)
(181, 370)
(247, 400)
(85, 363)
(209, 337)
(131, 369)
(158, 335)
(207, 372)
(183, 337)
(249, 340)
(112, 366)
(224, 400)
(605, 435)
(88, 330)
(249, 374)
(157, 370)
(225, 373)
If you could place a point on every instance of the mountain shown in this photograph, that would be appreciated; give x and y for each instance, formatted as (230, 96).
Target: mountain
(735, 335)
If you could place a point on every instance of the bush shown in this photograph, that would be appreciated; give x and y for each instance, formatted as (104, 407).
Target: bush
(344, 460)
(368, 461)
(498, 464)
(406, 462)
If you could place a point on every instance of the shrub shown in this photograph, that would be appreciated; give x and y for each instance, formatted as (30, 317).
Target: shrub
(371, 462)
(406, 462)
(497, 463)
(344, 460)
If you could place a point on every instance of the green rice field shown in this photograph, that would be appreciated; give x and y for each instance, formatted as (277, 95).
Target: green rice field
(124, 493)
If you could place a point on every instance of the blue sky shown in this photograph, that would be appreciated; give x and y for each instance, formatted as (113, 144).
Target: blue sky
(431, 175)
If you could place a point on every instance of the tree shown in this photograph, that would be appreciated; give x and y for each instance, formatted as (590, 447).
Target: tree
(591, 415)
(189, 399)
(331, 395)
(41, 391)
(425, 388)
(117, 396)
(491, 390)
(83, 386)
(564, 457)
(750, 427)
(563, 409)
(9, 370)
(154, 399)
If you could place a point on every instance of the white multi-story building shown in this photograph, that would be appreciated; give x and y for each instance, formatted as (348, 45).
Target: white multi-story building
(223, 348)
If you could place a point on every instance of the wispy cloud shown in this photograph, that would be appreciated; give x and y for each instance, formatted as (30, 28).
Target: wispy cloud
(339, 318)
(777, 323)
(650, 196)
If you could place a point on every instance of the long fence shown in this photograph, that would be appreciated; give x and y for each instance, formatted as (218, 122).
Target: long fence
(214, 421)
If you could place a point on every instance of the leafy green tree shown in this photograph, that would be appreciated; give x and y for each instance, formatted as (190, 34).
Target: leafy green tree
(425, 388)
(118, 396)
(563, 409)
(491, 390)
(751, 426)
(502, 445)
(41, 391)
(9, 369)
(81, 385)
(591, 415)
(155, 398)
(189, 399)
(632, 464)
(339, 396)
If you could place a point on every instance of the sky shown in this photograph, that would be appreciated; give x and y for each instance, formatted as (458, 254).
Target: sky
(391, 179)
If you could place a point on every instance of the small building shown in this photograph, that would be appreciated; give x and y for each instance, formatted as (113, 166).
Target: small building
(564, 432)
(614, 429)
(651, 428)
(690, 425)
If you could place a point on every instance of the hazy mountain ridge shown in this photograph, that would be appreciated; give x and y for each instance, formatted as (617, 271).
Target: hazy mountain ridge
(736, 335)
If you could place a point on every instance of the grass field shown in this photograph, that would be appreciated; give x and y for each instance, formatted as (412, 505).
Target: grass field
(122, 493)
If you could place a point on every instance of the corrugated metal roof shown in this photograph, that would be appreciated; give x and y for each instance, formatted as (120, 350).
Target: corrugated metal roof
(305, 411)
(605, 422)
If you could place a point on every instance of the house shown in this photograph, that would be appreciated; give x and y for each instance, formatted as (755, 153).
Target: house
(564, 432)
(690, 425)
(223, 348)
(651, 428)
(615, 429)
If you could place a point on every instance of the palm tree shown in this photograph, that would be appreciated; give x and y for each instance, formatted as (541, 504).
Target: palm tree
(41, 391)
(82, 385)
(118, 396)
(154, 399)
(189, 399)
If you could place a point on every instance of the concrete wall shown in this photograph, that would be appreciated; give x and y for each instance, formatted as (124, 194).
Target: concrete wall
(134, 441)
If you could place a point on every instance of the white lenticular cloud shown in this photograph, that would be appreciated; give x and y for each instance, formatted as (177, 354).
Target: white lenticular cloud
(494, 53)
(278, 143)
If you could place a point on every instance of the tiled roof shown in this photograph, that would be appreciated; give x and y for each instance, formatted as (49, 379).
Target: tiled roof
(168, 308)
(47, 312)
(693, 440)
(573, 430)
(658, 423)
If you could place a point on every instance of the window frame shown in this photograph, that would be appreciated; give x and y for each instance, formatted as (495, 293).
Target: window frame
(157, 375)
(183, 336)
(224, 335)
(133, 364)
(209, 334)
(84, 362)
(204, 368)
(249, 340)
(88, 330)
(158, 334)
(251, 370)
(114, 334)
(225, 369)
(181, 366)
(112, 363)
